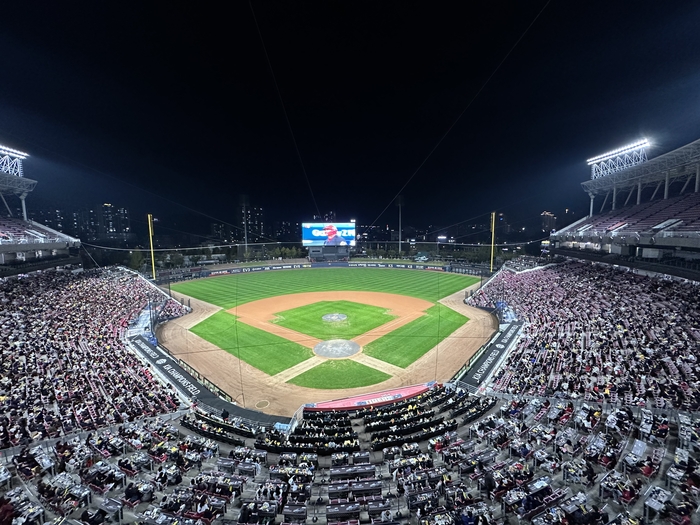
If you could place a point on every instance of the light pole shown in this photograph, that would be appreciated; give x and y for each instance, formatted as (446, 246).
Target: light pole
(437, 244)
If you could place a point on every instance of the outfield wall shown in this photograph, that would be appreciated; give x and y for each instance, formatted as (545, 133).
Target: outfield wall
(295, 266)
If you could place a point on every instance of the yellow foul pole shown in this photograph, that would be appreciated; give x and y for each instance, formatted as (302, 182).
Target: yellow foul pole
(493, 236)
(150, 237)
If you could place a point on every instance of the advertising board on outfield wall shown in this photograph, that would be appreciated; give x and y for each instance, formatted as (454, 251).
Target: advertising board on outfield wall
(273, 267)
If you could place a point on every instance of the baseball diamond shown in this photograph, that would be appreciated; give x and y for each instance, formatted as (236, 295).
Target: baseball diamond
(261, 340)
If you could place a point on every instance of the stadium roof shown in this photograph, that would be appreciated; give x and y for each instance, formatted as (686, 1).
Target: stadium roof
(679, 163)
(14, 185)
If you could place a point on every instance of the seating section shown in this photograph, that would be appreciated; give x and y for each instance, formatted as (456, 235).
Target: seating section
(17, 231)
(647, 217)
(64, 367)
(600, 334)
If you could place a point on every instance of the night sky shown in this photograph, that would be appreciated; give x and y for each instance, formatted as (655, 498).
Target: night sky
(171, 108)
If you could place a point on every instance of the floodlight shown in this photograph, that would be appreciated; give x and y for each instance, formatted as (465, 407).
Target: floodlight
(619, 159)
(644, 143)
(4, 150)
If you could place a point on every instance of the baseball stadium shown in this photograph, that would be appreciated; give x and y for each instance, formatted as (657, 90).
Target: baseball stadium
(194, 330)
(365, 391)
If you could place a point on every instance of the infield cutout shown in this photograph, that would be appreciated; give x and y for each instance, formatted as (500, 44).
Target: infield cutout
(335, 318)
(337, 348)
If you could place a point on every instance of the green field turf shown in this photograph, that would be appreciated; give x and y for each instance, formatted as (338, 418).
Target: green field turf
(231, 290)
(308, 319)
(409, 342)
(267, 352)
(273, 354)
(338, 374)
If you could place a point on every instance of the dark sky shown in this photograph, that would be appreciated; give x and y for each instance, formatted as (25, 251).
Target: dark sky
(171, 107)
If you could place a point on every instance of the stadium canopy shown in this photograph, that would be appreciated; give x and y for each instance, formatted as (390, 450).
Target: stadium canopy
(680, 164)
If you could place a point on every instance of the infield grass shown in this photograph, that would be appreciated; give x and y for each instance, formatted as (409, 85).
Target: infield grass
(308, 319)
(231, 290)
(411, 341)
(267, 352)
(338, 374)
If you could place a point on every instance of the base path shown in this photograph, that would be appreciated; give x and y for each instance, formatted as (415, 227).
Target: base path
(248, 386)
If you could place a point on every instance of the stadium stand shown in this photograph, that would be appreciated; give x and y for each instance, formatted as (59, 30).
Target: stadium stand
(64, 365)
(17, 231)
(602, 335)
(593, 427)
(675, 215)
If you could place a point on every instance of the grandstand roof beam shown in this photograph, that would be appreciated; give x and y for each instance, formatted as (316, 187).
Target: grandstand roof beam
(24, 205)
(639, 193)
(667, 184)
(685, 186)
(605, 200)
(697, 178)
(655, 191)
(5, 202)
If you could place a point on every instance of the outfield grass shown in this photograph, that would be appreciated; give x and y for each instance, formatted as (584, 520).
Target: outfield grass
(231, 290)
(267, 352)
(273, 354)
(308, 319)
(409, 342)
(338, 374)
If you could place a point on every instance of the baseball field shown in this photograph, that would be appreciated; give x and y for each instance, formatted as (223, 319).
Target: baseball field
(270, 325)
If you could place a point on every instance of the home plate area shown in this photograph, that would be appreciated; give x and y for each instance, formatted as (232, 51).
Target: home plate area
(336, 348)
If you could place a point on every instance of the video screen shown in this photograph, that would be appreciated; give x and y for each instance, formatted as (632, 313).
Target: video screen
(328, 234)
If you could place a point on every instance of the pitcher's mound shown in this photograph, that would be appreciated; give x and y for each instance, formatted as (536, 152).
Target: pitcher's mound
(336, 348)
(334, 318)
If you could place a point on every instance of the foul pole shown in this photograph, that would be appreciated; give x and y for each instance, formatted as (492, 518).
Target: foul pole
(493, 237)
(150, 238)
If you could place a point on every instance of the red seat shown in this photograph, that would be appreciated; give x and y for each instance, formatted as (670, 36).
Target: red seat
(130, 504)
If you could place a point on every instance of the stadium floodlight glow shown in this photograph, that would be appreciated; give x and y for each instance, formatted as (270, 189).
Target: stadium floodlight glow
(619, 159)
(4, 150)
(644, 143)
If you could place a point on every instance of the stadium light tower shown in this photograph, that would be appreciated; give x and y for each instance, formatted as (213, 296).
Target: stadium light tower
(619, 159)
(12, 181)
(437, 244)
(11, 161)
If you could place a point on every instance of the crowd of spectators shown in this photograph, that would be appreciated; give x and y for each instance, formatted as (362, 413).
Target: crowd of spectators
(601, 334)
(63, 366)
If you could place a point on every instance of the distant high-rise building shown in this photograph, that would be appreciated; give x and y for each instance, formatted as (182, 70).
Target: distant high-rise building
(549, 221)
(287, 231)
(53, 218)
(113, 223)
(325, 217)
(502, 224)
(220, 232)
(253, 219)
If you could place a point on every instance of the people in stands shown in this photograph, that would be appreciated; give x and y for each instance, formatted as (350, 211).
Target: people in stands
(76, 372)
(132, 493)
(95, 518)
(596, 332)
